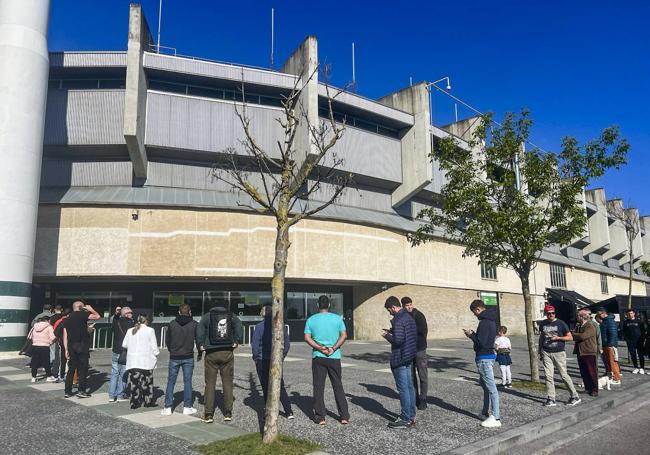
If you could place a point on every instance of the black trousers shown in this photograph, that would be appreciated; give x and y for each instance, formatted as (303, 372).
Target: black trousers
(79, 363)
(635, 347)
(321, 368)
(41, 359)
(421, 372)
(263, 367)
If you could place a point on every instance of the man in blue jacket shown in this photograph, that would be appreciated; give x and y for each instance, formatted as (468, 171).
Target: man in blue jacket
(483, 340)
(261, 345)
(403, 341)
(609, 335)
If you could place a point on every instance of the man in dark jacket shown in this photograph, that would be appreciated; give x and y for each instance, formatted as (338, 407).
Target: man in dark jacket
(609, 335)
(421, 363)
(261, 346)
(181, 338)
(634, 332)
(403, 347)
(483, 340)
(218, 334)
(122, 322)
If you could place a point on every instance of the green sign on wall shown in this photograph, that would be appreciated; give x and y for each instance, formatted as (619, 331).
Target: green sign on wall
(490, 298)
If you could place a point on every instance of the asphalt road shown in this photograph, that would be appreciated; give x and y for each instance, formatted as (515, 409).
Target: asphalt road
(627, 435)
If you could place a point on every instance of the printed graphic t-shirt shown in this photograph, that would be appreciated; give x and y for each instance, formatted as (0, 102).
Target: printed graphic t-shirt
(557, 328)
(325, 329)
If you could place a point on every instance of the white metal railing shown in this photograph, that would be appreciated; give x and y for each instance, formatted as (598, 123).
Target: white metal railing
(106, 342)
(251, 329)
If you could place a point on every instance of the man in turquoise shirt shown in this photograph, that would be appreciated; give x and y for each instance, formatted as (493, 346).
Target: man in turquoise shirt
(325, 332)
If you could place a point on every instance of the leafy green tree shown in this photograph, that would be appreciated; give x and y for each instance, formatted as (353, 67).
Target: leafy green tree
(645, 267)
(505, 205)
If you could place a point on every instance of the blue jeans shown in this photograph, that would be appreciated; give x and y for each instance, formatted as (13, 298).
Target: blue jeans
(188, 368)
(116, 386)
(404, 383)
(490, 394)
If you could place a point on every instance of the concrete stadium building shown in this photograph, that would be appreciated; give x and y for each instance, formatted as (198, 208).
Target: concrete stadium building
(122, 209)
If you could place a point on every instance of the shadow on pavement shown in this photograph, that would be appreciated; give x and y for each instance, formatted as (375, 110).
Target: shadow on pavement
(373, 406)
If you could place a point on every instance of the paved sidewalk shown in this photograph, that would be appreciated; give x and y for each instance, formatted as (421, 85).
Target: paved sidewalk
(451, 420)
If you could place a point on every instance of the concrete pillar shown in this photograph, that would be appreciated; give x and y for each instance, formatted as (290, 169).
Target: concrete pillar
(637, 246)
(598, 224)
(581, 240)
(135, 94)
(303, 62)
(417, 171)
(23, 96)
(645, 237)
(617, 237)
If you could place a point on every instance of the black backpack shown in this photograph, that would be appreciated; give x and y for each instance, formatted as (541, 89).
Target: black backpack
(220, 328)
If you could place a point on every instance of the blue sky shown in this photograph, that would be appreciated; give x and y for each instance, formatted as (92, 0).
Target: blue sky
(578, 66)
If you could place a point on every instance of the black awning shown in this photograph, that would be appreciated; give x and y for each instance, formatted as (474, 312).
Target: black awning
(618, 304)
(579, 300)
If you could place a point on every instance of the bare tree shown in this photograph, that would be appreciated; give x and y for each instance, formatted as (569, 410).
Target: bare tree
(281, 183)
(629, 218)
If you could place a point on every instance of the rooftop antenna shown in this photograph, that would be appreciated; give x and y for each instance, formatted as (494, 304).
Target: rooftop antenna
(272, 36)
(159, 18)
(354, 74)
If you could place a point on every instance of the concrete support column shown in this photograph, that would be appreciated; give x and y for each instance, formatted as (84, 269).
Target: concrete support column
(417, 170)
(645, 238)
(598, 224)
(135, 94)
(303, 62)
(23, 97)
(617, 237)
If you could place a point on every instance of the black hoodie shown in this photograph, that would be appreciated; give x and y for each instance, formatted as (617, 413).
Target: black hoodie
(486, 332)
(181, 337)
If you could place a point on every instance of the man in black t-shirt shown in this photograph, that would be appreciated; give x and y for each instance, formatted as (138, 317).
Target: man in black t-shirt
(552, 337)
(77, 346)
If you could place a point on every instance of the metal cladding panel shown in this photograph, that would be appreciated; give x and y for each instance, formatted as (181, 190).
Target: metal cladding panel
(65, 173)
(369, 154)
(218, 70)
(84, 117)
(87, 59)
(356, 197)
(191, 123)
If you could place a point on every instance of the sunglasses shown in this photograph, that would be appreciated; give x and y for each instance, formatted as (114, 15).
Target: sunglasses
(550, 312)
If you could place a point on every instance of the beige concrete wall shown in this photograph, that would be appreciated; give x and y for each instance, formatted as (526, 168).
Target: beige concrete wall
(107, 241)
(446, 310)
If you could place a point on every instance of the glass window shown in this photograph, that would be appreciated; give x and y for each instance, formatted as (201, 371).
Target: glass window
(336, 302)
(205, 92)
(112, 83)
(214, 298)
(80, 83)
(295, 306)
(603, 283)
(488, 273)
(103, 302)
(558, 276)
(166, 303)
(248, 305)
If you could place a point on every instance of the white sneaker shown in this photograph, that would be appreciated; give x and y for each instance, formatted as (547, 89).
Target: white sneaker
(33, 379)
(635, 371)
(491, 422)
(189, 411)
(166, 412)
(641, 371)
(51, 379)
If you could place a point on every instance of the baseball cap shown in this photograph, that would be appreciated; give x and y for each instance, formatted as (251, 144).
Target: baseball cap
(549, 309)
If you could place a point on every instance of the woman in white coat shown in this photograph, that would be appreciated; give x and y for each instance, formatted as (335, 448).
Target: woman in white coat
(141, 352)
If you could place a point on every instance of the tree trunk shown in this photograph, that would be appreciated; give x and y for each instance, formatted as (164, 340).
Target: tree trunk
(282, 245)
(530, 333)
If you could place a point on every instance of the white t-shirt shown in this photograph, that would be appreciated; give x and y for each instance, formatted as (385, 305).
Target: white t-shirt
(502, 343)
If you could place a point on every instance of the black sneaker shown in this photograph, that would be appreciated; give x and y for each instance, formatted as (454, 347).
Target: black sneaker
(574, 401)
(400, 424)
(422, 406)
(290, 416)
(227, 418)
(208, 418)
(67, 395)
(83, 395)
(550, 403)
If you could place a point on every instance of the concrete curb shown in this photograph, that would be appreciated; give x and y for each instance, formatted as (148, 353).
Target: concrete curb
(534, 430)
(9, 355)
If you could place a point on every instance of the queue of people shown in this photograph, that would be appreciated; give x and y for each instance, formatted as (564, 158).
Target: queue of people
(60, 340)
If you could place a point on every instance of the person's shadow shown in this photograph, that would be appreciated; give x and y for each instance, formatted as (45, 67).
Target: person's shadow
(255, 400)
(373, 406)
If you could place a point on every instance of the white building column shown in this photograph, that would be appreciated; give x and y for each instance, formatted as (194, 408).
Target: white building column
(23, 97)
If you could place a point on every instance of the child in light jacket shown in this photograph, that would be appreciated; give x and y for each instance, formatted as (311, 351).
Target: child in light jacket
(42, 336)
(503, 347)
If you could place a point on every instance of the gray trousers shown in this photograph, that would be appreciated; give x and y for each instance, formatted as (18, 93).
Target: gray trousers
(421, 367)
(552, 360)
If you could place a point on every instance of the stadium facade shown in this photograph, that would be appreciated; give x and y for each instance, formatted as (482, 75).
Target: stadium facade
(125, 210)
